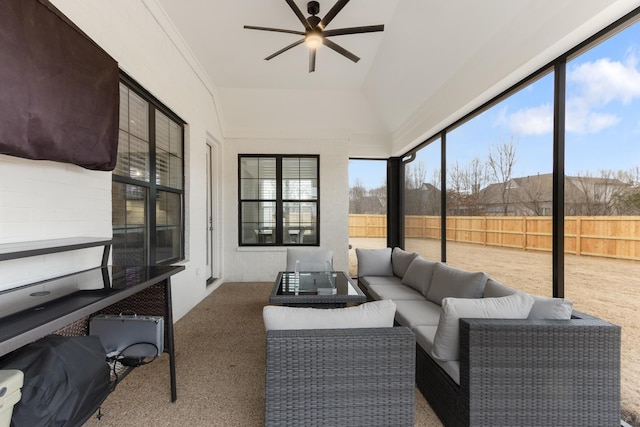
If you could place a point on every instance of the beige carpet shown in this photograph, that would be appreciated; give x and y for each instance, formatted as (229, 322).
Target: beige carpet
(220, 348)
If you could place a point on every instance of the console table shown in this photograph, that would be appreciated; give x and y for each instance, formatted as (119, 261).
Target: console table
(64, 305)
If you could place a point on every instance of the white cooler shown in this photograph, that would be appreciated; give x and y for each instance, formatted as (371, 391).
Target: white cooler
(10, 384)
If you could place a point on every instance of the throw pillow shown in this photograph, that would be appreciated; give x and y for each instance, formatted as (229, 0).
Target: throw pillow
(374, 262)
(446, 341)
(375, 314)
(419, 275)
(400, 260)
(550, 308)
(452, 282)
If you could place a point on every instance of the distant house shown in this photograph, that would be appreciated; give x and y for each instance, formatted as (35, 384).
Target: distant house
(533, 195)
(372, 205)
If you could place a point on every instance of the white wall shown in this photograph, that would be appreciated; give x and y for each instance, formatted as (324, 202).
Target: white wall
(263, 264)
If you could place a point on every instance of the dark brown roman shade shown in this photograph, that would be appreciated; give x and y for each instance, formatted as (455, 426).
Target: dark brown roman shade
(59, 91)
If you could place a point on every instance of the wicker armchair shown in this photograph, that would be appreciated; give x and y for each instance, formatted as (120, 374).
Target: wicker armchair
(533, 373)
(340, 377)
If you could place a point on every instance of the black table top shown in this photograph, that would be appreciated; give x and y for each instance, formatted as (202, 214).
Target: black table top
(30, 312)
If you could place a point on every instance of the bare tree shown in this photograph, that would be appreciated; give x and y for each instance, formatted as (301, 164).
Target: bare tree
(501, 161)
(357, 193)
(415, 175)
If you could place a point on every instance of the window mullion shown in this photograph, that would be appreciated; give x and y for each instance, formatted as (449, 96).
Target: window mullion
(279, 203)
(153, 190)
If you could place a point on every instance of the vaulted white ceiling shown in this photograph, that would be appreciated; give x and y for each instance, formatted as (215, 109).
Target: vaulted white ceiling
(435, 60)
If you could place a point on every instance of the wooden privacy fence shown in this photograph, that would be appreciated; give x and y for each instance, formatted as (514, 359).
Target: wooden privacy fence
(603, 236)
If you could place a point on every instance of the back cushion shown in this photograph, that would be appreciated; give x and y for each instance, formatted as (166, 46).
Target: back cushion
(452, 282)
(446, 341)
(400, 260)
(550, 309)
(493, 289)
(375, 314)
(374, 262)
(419, 275)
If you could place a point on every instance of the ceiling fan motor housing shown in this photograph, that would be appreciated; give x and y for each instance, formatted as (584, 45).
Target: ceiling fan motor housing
(313, 7)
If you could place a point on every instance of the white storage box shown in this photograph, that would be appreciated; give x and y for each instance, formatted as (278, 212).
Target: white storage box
(11, 381)
(129, 335)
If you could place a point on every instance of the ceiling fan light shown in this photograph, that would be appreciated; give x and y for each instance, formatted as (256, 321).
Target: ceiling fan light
(313, 40)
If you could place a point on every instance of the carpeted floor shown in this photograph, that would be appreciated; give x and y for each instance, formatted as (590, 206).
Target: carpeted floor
(220, 348)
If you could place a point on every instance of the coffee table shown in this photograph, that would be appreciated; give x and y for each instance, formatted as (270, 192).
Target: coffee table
(326, 289)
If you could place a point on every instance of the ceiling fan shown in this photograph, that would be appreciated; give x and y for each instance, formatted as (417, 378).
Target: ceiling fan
(315, 35)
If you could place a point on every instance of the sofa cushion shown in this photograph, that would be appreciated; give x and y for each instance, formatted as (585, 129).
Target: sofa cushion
(413, 313)
(419, 275)
(453, 282)
(446, 341)
(380, 280)
(394, 293)
(374, 262)
(400, 260)
(375, 314)
(493, 289)
(550, 308)
(424, 338)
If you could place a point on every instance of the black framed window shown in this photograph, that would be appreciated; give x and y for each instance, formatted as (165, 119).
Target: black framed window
(278, 200)
(148, 181)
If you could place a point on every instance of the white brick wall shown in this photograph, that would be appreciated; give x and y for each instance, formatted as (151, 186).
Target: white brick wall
(42, 200)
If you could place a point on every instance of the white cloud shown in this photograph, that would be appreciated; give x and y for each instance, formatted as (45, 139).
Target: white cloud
(603, 81)
(592, 86)
(532, 121)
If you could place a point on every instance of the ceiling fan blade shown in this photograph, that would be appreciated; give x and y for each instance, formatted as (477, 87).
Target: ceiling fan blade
(342, 51)
(284, 49)
(353, 30)
(299, 14)
(277, 30)
(312, 60)
(333, 12)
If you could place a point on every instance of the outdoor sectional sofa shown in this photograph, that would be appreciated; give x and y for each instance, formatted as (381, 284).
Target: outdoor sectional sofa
(488, 355)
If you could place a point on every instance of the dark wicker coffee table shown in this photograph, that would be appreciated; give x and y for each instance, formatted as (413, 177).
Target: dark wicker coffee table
(326, 289)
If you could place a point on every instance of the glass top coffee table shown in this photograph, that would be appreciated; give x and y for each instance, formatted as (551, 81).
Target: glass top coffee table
(326, 289)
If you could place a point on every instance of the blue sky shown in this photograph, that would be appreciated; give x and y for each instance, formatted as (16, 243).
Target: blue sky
(602, 126)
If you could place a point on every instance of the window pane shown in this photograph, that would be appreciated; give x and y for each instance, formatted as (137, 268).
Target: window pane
(138, 159)
(367, 207)
(422, 202)
(300, 219)
(258, 222)
(138, 116)
(133, 142)
(122, 165)
(168, 156)
(129, 205)
(168, 226)
(258, 178)
(499, 190)
(602, 194)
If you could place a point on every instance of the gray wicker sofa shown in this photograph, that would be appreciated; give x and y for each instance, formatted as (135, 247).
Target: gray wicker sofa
(549, 366)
